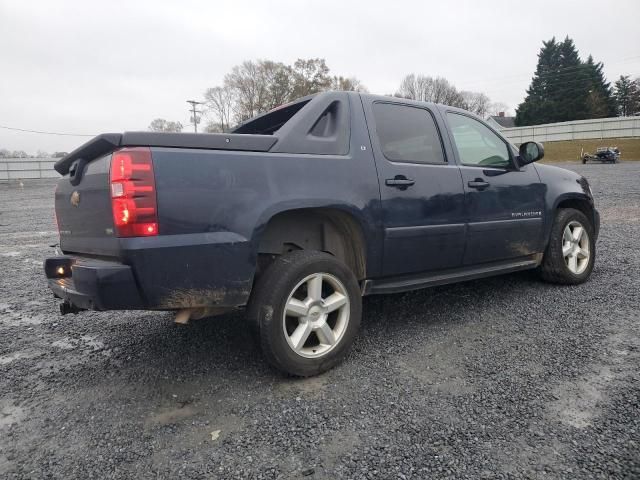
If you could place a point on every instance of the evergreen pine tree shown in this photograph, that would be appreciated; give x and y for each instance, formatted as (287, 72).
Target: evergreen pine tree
(600, 100)
(564, 88)
(571, 84)
(627, 96)
(540, 101)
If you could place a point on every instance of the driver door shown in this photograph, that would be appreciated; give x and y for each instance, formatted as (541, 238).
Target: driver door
(504, 203)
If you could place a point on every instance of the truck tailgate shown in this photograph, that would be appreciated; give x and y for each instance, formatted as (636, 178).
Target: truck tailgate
(83, 211)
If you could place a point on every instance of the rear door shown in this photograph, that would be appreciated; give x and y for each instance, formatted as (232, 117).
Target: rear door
(420, 188)
(504, 202)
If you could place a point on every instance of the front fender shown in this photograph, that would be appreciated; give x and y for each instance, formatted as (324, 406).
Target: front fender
(568, 188)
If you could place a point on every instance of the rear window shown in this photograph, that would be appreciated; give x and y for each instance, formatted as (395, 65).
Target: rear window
(407, 134)
(270, 122)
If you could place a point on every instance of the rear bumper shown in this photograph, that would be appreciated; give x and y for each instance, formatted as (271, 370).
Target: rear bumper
(170, 272)
(93, 284)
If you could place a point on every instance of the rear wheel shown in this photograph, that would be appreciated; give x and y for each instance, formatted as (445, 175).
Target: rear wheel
(571, 252)
(305, 311)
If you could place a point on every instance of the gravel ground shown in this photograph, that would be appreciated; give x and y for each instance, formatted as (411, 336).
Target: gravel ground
(499, 378)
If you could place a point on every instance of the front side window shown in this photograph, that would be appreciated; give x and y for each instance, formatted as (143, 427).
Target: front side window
(477, 145)
(407, 134)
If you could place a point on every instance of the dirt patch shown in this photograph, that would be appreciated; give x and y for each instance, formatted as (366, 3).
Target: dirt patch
(579, 402)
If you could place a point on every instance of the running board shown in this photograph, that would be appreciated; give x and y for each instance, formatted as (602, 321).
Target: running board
(404, 284)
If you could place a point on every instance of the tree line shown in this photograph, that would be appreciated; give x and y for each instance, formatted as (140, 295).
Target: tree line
(257, 86)
(563, 87)
(4, 153)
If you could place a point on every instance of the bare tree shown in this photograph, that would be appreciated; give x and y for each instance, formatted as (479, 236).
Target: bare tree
(259, 86)
(429, 89)
(162, 125)
(310, 76)
(256, 87)
(444, 92)
(439, 90)
(476, 102)
(213, 127)
(248, 92)
(496, 108)
(416, 87)
(349, 84)
(219, 104)
(280, 83)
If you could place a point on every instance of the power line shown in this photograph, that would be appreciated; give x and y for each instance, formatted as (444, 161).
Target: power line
(47, 133)
(195, 119)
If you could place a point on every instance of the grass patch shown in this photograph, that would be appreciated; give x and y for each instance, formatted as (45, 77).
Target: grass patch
(569, 150)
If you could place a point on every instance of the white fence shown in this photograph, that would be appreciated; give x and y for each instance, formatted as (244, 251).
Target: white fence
(24, 168)
(616, 127)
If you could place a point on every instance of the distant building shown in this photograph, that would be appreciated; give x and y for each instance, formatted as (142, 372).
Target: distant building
(501, 121)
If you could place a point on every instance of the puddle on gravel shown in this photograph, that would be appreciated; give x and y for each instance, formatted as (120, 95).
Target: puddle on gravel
(433, 369)
(15, 319)
(10, 414)
(13, 356)
(92, 342)
(171, 416)
(65, 344)
(578, 401)
(311, 386)
(85, 342)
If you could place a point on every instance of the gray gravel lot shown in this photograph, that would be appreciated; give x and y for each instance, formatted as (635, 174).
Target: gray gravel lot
(499, 378)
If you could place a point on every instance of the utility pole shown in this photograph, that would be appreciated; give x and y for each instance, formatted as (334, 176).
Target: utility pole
(195, 118)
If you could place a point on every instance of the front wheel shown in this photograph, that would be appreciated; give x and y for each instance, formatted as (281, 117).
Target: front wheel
(305, 310)
(571, 251)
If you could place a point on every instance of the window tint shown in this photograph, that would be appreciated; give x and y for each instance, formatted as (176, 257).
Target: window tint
(407, 134)
(476, 143)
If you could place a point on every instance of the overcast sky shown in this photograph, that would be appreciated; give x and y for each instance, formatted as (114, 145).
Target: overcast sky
(88, 67)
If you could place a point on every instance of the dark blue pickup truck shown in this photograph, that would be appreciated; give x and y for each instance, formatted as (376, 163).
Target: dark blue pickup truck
(299, 212)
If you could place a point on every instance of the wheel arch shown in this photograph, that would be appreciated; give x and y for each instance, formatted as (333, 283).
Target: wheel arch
(579, 202)
(338, 231)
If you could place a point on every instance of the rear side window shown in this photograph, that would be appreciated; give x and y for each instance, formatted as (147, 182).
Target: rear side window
(407, 134)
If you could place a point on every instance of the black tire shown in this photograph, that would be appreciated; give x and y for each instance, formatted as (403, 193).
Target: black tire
(584, 160)
(266, 310)
(554, 269)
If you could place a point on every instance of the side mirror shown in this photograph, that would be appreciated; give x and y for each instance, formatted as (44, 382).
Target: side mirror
(531, 152)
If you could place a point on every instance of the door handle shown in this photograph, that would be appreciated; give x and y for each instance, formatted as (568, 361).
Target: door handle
(478, 183)
(399, 181)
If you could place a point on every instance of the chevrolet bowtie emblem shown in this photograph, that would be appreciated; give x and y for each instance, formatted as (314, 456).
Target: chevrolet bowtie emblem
(75, 199)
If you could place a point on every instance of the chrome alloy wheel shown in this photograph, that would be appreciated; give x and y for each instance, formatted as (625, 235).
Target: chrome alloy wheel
(316, 315)
(575, 247)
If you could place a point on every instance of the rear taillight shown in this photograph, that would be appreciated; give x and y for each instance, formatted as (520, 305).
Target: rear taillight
(133, 193)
